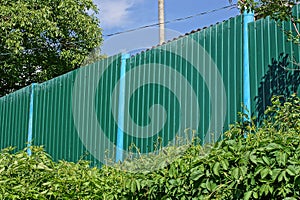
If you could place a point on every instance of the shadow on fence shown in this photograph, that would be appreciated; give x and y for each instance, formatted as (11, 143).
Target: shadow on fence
(280, 80)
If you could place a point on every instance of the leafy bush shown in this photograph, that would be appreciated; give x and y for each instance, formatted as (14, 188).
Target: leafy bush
(38, 177)
(263, 165)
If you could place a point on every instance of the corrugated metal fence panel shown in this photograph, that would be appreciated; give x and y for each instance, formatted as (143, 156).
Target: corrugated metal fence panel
(53, 121)
(268, 48)
(14, 115)
(62, 103)
(192, 83)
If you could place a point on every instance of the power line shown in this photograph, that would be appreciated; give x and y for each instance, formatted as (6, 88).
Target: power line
(174, 20)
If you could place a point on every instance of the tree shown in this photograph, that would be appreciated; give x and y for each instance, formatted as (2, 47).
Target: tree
(41, 39)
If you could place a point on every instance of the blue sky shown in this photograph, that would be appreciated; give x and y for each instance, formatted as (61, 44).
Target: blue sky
(121, 15)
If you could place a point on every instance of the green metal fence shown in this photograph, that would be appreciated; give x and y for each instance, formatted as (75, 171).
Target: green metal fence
(57, 112)
(198, 81)
(14, 113)
(191, 84)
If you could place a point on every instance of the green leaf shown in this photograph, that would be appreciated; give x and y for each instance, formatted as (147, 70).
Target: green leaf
(281, 176)
(273, 146)
(264, 173)
(225, 164)
(291, 170)
(173, 182)
(235, 173)
(133, 186)
(266, 160)
(255, 195)
(196, 175)
(210, 185)
(216, 168)
(247, 195)
(264, 189)
(138, 185)
(253, 158)
(275, 173)
(45, 192)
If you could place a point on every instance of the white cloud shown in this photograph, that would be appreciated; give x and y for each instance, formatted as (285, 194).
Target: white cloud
(115, 13)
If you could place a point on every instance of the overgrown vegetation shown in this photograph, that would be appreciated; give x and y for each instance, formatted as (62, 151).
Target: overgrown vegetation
(263, 165)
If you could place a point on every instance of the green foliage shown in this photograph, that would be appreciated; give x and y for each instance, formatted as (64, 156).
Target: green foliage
(263, 165)
(38, 177)
(280, 10)
(41, 39)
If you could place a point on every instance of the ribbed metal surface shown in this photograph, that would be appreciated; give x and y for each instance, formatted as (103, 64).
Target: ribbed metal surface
(53, 123)
(193, 83)
(14, 114)
(172, 74)
(271, 72)
(57, 108)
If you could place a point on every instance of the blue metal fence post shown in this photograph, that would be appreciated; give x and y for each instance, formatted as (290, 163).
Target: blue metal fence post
(248, 17)
(120, 134)
(30, 121)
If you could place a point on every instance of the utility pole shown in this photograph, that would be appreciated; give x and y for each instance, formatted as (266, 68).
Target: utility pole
(161, 17)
